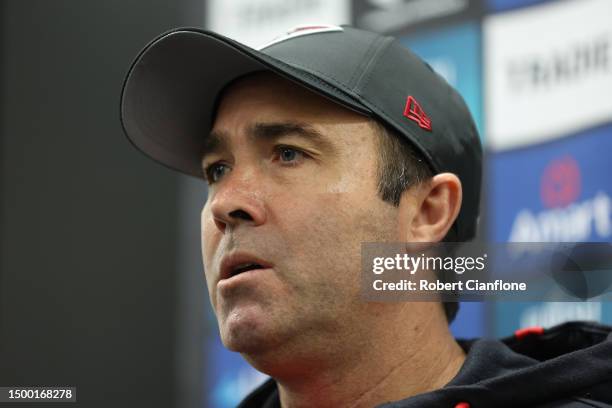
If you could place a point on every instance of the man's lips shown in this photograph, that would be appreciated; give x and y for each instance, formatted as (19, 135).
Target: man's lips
(238, 262)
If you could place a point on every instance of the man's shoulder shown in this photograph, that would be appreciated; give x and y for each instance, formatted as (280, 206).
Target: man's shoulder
(566, 366)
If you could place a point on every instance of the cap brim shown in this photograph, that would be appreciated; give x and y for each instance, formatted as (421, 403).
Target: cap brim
(169, 94)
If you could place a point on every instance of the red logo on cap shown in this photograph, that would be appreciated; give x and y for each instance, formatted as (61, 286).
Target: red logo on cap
(413, 111)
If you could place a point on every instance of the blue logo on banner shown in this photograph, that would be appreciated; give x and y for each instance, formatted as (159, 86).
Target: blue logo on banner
(454, 53)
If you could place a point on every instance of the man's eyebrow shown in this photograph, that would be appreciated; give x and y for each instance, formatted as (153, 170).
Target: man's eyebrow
(217, 140)
(274, 130)
(213, 143)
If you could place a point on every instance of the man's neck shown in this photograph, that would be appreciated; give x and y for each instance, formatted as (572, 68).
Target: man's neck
(400, 364)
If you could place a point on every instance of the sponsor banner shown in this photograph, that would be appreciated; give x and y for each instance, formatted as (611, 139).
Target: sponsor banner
(556, 192)
(454, 53)
(548, 69)
(499, 5)
(559, 191)
(256, 23)
(402, 16)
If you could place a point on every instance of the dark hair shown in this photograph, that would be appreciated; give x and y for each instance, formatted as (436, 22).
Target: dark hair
(401, 166)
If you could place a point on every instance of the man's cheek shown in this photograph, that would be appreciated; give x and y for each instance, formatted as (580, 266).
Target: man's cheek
(331, 237)
(338, 213)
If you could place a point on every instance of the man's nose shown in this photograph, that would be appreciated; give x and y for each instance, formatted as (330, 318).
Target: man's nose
(238, 200)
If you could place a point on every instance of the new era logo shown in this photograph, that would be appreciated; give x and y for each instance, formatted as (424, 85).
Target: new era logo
(413, 111)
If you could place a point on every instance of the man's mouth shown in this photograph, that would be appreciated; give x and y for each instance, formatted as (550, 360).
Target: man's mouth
(240, 262)
(245, 267)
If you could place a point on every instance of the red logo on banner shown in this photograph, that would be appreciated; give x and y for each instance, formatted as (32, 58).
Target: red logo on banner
(560, 182)
(413, 111)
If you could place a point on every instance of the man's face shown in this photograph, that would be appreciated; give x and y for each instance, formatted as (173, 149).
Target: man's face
(294, 189)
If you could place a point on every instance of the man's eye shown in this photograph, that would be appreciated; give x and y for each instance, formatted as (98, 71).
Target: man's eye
(215, 171)
(289, 154)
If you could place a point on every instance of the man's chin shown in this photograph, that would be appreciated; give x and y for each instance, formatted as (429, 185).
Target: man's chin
(253, 346)
(247, 334)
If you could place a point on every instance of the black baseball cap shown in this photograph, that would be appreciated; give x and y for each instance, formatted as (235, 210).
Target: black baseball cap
(170, 93)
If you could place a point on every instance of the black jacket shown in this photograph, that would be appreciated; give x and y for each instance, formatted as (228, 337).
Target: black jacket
(567, 366)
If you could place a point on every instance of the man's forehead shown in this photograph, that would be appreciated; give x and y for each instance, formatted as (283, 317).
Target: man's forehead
(265, 103)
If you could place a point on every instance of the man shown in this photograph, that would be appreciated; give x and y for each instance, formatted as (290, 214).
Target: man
(324, 139)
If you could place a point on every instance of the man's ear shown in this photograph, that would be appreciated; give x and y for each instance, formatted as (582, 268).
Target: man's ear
(428, 210)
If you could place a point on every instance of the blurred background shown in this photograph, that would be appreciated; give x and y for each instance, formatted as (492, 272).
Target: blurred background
(101, 281)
